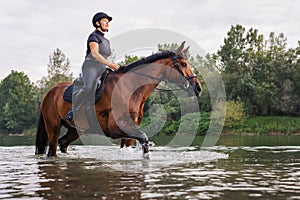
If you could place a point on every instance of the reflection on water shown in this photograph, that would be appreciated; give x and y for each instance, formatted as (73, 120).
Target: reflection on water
(87, 179)
(95, 172)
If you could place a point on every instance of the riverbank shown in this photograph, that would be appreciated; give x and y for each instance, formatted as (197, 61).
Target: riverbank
(168, 140)
(260, 125)
(266, 125)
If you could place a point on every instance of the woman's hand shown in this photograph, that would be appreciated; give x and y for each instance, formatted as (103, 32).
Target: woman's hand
(114, 66)
(94, 46)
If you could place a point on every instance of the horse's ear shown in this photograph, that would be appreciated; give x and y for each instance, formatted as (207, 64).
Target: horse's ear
(186, 50)
(178, 51)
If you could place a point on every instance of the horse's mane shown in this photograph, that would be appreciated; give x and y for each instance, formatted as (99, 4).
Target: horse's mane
(145, 60)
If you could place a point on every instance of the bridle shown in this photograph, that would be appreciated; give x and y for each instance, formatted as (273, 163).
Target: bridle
(176, 66)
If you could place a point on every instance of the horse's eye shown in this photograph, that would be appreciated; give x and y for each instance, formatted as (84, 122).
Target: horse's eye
(183, 64)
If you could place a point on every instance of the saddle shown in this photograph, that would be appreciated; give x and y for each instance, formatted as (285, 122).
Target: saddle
(78, 83)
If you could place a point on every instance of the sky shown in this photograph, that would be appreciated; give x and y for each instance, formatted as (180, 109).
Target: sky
(30, 30)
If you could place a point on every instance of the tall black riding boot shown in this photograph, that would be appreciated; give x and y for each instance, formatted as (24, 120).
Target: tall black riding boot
(78, 98)
(79, 95)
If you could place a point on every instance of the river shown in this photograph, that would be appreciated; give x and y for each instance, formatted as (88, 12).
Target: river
(239, 167)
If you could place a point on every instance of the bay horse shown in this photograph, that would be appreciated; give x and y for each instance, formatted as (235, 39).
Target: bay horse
(121, 106)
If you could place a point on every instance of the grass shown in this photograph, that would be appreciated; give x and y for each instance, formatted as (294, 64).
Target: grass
(269, 125)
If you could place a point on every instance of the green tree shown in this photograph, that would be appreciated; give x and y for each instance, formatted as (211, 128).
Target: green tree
(58, 71)
(237, 71)
(263, 73)
(164, 47)
(296, 78)
(284, 64)
(18, 103)
(129, 59)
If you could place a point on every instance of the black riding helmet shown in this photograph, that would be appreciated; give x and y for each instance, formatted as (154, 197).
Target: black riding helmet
(98, 16)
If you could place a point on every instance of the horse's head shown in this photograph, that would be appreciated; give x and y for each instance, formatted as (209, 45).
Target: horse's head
(176, 69)
(185, 77)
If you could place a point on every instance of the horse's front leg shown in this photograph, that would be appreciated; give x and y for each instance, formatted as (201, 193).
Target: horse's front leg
(65, 140)
(144, 141)
(132, 132)
(145, 146)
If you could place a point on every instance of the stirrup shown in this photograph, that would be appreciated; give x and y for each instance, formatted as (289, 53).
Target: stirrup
(69, 116)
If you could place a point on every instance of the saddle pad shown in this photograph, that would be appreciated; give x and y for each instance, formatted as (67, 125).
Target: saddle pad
(68, 93)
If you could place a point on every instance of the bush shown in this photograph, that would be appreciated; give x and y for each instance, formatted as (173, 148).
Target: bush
(235, 113)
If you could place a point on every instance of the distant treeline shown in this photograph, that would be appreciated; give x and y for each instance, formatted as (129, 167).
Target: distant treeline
(261, 77)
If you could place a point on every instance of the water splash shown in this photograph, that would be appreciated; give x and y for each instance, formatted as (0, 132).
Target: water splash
(131, 159)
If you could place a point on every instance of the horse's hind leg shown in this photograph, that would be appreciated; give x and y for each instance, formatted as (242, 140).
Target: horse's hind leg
(53, 129)
(127, 142)
(53, 135)
(65, 140)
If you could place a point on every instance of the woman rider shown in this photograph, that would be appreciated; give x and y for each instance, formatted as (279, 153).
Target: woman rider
(98, 49)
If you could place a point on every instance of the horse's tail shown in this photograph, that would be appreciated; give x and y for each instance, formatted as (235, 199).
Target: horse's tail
(41, 137)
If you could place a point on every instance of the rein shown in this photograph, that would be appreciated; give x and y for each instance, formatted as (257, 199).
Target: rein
(176, 66)
(160, 80)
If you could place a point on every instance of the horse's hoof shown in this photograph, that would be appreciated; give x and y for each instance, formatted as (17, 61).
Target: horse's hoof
(49, 155)
(146, 156)
(63, 150)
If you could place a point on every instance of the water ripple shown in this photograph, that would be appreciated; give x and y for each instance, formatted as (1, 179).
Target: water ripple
(101, 172)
